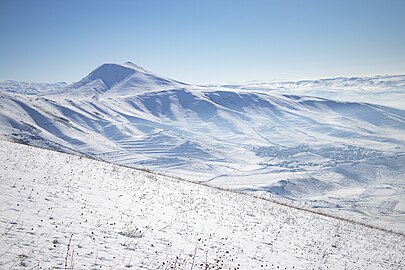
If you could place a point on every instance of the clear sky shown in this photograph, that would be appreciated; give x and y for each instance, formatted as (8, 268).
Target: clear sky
(199, 41)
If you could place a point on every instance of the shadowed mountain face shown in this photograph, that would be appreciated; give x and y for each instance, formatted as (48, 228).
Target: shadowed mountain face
(108, 75)
(321, 152)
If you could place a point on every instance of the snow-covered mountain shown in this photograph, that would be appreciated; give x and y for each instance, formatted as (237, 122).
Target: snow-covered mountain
(60, 211)
(121, 80)
(347, 156)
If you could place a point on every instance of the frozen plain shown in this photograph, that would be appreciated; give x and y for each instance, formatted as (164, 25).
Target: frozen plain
(64, 211)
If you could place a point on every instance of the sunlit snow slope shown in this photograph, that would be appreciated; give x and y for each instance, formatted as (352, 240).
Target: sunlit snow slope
(343, 155)
(60, 211)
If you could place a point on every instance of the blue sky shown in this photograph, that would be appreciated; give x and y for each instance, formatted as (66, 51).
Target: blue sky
(202, 41)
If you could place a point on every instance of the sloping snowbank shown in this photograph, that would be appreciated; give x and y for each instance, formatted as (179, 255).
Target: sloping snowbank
(65, 211)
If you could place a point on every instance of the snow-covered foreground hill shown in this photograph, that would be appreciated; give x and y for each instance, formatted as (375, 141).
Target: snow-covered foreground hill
(345, 155)
(60, 211)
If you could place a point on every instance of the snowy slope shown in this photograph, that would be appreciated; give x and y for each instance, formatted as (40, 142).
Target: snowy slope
(60, 211)
(345, 156)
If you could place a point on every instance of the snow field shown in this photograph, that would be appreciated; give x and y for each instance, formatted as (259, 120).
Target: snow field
(63, 211)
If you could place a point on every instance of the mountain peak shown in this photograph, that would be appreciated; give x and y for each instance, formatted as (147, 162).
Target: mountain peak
(110, 74)
(126, 78)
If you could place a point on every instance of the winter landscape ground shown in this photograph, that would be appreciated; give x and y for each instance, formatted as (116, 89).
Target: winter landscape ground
(61, 211)
(152, 173)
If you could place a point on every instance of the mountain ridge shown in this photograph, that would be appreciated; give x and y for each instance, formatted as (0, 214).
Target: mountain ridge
(319, 151)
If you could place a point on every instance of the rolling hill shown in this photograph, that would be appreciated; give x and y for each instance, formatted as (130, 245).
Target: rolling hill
(61, 211)
(346, 156)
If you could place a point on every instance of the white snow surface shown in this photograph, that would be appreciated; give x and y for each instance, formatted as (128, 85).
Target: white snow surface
(61, 211)
(321, 144)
